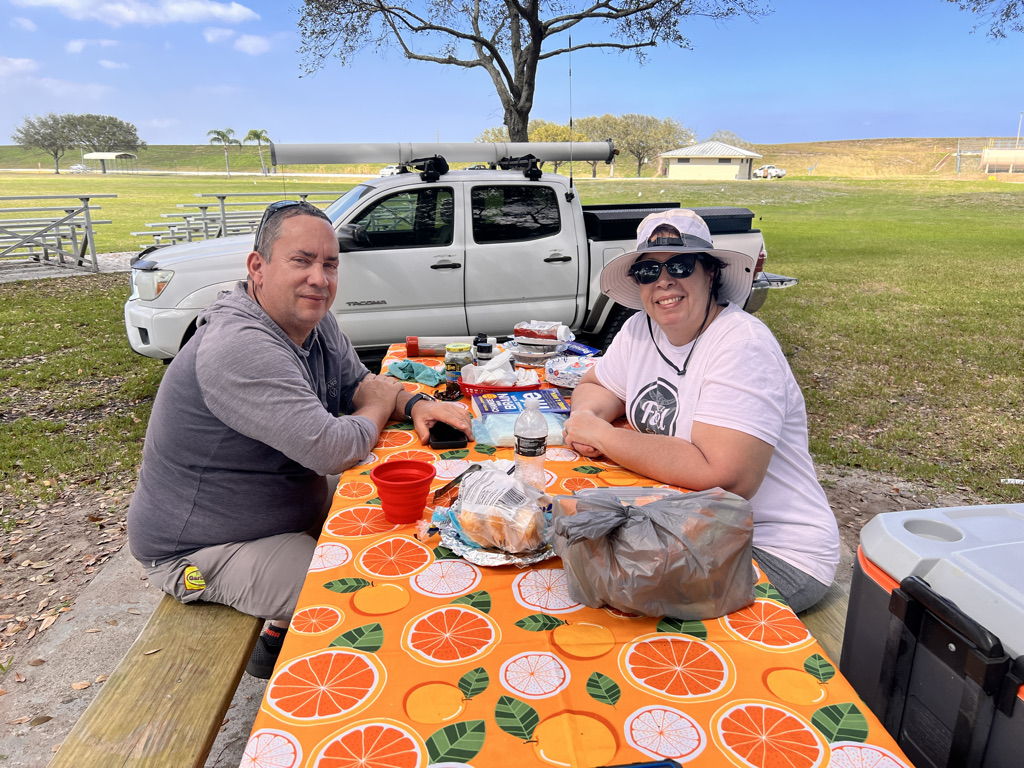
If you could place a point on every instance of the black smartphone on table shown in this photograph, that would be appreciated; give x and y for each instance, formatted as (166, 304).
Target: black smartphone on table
(446, 436)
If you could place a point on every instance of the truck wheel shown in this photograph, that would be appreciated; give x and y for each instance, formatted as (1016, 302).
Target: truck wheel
(619, 315)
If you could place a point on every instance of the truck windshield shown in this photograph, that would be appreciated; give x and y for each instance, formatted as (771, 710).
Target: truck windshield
(336, 209)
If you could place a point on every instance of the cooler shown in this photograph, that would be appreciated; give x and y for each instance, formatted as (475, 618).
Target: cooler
(934, 639)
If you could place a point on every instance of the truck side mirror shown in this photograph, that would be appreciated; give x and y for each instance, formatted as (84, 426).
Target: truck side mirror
(352, 237)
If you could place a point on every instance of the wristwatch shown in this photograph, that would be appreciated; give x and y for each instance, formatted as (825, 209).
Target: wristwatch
(412, 401)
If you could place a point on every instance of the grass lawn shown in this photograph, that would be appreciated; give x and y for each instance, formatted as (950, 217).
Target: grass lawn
(905, 331)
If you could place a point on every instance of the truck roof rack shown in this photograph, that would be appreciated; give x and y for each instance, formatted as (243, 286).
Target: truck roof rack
(527, 163)
(430, 168)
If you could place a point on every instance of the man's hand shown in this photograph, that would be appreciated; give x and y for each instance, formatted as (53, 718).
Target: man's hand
(426, 413)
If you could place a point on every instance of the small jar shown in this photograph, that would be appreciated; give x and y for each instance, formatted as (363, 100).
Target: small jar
(455, 357)
(484, 352)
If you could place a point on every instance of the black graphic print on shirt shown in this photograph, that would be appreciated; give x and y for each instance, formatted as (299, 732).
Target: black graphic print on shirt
(654, 408)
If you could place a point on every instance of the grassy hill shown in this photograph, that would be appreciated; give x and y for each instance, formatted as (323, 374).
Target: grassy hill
(859, 159)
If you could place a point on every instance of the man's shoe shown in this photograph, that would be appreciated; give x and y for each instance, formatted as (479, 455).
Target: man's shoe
(263, 658)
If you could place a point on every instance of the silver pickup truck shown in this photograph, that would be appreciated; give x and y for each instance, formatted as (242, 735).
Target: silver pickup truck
(441, 253)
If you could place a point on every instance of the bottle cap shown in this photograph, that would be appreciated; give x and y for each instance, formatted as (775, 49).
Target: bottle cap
(484, 348)
(459, 347)
(412, 346)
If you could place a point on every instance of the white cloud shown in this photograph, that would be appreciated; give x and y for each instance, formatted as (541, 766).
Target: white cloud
(17, 74)
(119, 12)
(107, 64)
(84, 92)
(216, 34)
(11, 68)
(24, 24)
(79, 45)
(161, 122)
(254, 45)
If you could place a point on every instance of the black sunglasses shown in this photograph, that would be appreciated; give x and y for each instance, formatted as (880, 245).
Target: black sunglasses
(648, 271)
(275, 208)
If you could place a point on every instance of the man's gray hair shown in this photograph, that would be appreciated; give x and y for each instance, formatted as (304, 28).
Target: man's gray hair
(271, 228)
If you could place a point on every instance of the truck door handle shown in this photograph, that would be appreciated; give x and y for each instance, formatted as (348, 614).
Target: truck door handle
(557, 258)
(449, 265)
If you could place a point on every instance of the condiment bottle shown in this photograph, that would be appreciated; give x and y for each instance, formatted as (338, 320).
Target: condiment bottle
(455, 357)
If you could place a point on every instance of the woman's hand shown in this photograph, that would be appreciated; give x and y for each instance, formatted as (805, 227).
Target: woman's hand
(583, 433)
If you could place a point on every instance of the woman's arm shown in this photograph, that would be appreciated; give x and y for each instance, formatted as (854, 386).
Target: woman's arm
(715, 457)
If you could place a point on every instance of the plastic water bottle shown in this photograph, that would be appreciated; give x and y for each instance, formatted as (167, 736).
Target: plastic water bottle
(531, 433)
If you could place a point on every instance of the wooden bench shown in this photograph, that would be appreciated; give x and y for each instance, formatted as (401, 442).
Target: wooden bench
(827, 619)
(166, 700)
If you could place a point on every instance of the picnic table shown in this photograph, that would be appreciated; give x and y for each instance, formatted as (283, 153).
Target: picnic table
(403, 654)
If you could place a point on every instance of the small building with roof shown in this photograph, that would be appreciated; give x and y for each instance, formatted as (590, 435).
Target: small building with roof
(709, 160)
(120, 162)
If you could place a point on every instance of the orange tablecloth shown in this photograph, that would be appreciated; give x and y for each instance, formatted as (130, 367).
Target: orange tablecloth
(402, 655)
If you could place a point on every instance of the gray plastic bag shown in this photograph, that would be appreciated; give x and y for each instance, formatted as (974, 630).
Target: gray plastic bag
(657, 552)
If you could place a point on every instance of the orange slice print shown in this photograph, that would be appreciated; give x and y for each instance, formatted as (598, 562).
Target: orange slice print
(665, 732)
(757, 734)
(394, 354)
(849, 754)
(677, 667)
(324, 686)
(269, 748)
(449, 468)
(557, 453)
(394, 558)
(768, 625)
(329, 555)
(410, 386)
(379, 744)
(450, 635)
(356, 490)
(573, 484)
(446, 578)
(316, 619)
(412, 454)
(545, 590)
(395, 438)
(359, 521)
(370, 458)
(534, 675)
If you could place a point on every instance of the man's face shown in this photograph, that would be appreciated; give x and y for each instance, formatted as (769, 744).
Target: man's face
(296, 287)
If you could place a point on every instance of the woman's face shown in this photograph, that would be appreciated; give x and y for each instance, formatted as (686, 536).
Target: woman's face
(677, 305)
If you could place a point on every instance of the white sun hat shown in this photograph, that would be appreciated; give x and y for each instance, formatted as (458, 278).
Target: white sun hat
(694, 237)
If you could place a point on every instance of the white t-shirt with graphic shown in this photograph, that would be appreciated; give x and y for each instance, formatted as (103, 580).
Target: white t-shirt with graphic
(737, 378)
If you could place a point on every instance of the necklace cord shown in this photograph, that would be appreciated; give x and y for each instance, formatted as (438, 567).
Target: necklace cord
(686, 363)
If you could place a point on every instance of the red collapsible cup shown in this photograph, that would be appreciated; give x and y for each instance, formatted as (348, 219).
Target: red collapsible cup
(403, 487)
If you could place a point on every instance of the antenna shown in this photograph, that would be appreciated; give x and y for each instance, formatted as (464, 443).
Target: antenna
(570, 110)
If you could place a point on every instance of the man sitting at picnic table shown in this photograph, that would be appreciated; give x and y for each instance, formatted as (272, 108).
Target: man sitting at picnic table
(264, 403)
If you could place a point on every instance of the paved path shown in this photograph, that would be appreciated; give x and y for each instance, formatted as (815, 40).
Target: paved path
(26, 269)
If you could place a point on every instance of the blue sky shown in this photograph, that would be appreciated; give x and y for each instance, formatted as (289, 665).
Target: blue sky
(815, 70)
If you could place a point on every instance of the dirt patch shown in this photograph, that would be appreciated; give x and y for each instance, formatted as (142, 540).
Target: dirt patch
(50, 552)
(857, 496)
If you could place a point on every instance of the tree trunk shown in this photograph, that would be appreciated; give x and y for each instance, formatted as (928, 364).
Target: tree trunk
(103, 165)
(517, 121)
(263, 168)
(227, 165)
(56, 164)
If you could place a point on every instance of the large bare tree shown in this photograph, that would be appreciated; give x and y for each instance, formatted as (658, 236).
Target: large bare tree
(506, 38)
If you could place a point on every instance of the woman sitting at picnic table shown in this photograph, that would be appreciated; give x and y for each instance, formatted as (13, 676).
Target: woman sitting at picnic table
(710, 396)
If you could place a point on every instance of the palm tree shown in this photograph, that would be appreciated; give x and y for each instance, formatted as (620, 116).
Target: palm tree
(259, 136)
(224, 137)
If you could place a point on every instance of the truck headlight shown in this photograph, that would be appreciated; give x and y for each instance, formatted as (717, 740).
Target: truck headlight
(148, 284)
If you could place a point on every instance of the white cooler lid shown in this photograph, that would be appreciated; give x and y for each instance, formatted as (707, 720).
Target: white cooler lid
(972, 556)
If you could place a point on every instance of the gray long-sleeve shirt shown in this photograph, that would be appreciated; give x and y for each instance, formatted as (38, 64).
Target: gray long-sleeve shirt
(244, 427)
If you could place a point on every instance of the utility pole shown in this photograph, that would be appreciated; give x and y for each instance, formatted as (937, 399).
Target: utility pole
(1017, 145)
